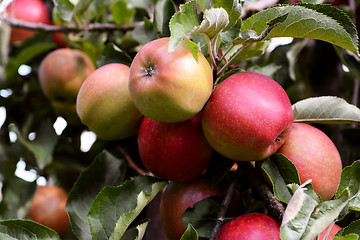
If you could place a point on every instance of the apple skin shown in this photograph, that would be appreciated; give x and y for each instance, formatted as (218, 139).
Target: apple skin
(62, 72)
(335, 228)
(315, 156)
(176, 198)
(174, 151)
(48, 208)
(248, 116)
(34, 11)
(251, 226)
(169, 86)
(104, 103)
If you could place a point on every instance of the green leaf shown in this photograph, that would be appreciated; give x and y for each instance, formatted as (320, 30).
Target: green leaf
(298, 212)
(182, 23)
(113, 54)
(202, 216)
(25, 230)
(351, 236)
(163, 11)
(144, 4)
(315, 21)
(253, 50)
(190, 233)
(122, 13)
(42, 146)
(65, 8)
(281, 171)
(352, 228)
(205, 4)
(214, 21)
(115, 208)
(136, 233)
(145, 33)
(326, 109)
(233, 9)
(105, 170)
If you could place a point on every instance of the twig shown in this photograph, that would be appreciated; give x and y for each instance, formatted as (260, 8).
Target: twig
(224, 206)
(95, 27)
(132, 164)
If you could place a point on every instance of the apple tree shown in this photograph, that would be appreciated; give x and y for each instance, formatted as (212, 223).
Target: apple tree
(174, 119)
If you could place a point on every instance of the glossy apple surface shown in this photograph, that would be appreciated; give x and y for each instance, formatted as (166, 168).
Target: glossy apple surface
(315, 157)
(104, 104)
(34, 11)
(174, 151)
(62, 72)
(252, 226)
(176, 198)
(335, 228)
(169, 86)
(248, 116)
(48, 208)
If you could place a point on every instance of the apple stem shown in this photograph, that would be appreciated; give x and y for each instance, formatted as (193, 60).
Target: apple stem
(132, 164)
(225, 205)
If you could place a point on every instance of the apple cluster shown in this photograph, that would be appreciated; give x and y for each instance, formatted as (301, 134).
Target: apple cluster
(168, 100)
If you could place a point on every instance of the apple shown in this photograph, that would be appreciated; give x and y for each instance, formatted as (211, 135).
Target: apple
(248, 116)
(48, 208)
(251, 226)
(34, 11)
(104, 104)
(176, 198)
(335, 228)
(174, 151)
(169, 86)
(315, 156)
(62, 72)
(59, 39)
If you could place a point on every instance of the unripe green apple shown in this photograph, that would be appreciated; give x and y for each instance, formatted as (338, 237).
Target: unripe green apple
(169, 86)
(248, 116)
(315, 156)
(62, 72)
(251, 226)
(174, 151)
(48, 208)
(104, 104)
(176, 198)
(335, 228)
(34, 11)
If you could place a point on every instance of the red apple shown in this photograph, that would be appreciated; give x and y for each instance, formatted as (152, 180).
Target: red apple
(251, 226)
(174, 151)
(176, 198)
(62, 72)
(169, 86)
(59, 39)
(33, 11)
(247, 117)
(315, 157)
(48, 208)
(335, 228)
(104, 104)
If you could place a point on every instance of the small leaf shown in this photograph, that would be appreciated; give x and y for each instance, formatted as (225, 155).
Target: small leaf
(145, 33)
(42, 146)
(163, 11)
(214, 21)
(352, 228)
(25, 229)
(190, 233)
(105, 170)
(314, 21)
(115, 208)
(113, 54)
(253, 50)
(281, 172)
(65, 8)
(182, 23)
(233, 9)
(326, 109)
(122, 13)
(136, 233)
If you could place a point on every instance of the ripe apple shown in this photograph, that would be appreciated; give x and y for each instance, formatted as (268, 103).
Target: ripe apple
(315, 156)
(104, 104)
(34, 11)
(176, 198)
(248, 116)
(174, 151)
(169, 86)
(251, 226)
(62, 72)
(59, 39)
(335, 228)
(48, 208)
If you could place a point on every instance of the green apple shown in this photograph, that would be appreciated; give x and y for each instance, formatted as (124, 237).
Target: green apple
(169, 86)
(248, 116)
(315, 156)
(104, 103)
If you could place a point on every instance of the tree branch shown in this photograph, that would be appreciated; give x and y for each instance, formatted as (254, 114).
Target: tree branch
(95, 27)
